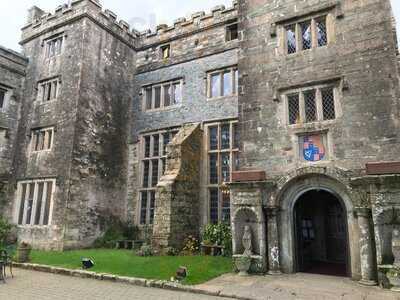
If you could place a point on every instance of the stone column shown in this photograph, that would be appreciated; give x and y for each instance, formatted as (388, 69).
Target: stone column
(368, 267)
(274, 267)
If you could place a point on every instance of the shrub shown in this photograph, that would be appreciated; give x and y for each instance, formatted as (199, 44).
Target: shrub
(171, 251)
(116, 231)
(219, 234)
(5, 229)
(191, 245)
(145, 250)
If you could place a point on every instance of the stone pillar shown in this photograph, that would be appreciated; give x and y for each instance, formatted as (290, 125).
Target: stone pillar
(368, 266)
(274, 267)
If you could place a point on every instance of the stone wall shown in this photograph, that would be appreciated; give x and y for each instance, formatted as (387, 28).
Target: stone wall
(12, 78)
(361, 55)
(177, 198)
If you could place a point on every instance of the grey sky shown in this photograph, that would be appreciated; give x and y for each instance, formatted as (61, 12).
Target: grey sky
(138, 12)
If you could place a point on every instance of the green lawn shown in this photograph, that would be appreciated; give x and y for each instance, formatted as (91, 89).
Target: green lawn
(126, 263)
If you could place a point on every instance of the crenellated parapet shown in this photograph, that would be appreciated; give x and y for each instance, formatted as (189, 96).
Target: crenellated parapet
(183, 27)
(40, 22)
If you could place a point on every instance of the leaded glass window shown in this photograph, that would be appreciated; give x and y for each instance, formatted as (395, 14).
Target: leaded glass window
(310, 106)
(328, 104)
(223, 158)
(153, 161)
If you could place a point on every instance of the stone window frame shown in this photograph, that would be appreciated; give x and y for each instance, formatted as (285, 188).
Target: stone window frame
(8, 92)
(161, 163)
(318, 103)
(46, 204)
(296, 23)
(165, 52)
(234, 82)
(228, 32)
(44, 135)
(58, 42)
(45, 90)
(161, 85)
(234, 158)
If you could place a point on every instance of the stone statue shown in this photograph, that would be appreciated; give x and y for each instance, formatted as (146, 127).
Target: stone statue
(246, 240)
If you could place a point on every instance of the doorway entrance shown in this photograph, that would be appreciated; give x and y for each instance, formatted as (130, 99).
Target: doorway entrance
(321, 234)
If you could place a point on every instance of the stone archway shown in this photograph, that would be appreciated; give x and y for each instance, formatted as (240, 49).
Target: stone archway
(288, 195)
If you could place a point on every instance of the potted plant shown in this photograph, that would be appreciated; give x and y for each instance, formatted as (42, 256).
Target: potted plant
(243, 264)
(23, 252)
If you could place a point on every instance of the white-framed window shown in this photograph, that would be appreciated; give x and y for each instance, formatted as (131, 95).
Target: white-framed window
(48, 90)
(42, 139)
(54, 46)
(153, 157)
(34, 202)
(312, 104)
(306, 34)
(222, 83)
(222, 140)
(162, 95)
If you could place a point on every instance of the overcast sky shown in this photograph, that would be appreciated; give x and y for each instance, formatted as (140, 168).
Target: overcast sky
(142, 14)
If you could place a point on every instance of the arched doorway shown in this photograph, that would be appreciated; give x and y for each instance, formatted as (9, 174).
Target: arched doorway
(320, 228)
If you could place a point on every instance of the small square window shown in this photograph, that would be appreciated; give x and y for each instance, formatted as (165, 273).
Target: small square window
(232, 32)
(166, 51)
(42, 139)
(54, 46)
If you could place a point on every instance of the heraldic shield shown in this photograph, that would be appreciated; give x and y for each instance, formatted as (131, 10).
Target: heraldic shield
(313, 148)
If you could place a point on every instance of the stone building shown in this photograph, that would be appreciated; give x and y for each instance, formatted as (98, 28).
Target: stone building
(278, 115)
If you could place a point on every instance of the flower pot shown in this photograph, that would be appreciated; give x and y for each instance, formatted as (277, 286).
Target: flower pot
(243, 264)
(23, 252)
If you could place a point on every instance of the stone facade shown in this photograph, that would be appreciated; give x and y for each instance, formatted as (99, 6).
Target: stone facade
(145, 128)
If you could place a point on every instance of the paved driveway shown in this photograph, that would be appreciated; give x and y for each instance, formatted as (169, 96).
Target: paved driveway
(297, 287)
(31, 285)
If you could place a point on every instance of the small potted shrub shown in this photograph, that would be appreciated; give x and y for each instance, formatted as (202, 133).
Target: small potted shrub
(243, 264)
(23, 252)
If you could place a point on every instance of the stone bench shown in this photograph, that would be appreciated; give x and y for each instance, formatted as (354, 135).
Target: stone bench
(128, 244)
(213, 250)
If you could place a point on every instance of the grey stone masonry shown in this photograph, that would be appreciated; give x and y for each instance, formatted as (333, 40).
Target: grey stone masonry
(12, 79)
(176, 214)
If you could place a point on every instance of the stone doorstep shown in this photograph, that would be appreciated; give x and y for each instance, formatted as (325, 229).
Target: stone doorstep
(153, 283)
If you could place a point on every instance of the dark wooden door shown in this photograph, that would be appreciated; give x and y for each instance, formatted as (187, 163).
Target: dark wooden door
(336, 233)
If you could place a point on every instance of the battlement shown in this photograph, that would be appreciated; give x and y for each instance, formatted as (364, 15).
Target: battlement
(40, 22)
(182, 27)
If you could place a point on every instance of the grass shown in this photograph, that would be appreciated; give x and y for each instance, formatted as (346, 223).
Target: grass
(126, 263)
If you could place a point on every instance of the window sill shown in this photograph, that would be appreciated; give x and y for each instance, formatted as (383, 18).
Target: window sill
(33, 226)
(222, 97)
(41, 151)
(43, 103)
(299, 53)
(168, 108)
(312, 124)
